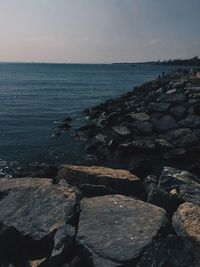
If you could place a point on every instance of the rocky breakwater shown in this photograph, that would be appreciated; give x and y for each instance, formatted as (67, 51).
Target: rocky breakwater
(156, 124)
(91, 216)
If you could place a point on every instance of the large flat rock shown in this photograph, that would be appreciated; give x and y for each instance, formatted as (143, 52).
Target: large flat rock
(186, 222)
(122, 181)
(33, 210)
(114, 230)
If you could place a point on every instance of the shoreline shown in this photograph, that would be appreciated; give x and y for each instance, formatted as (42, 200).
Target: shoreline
(143, 215)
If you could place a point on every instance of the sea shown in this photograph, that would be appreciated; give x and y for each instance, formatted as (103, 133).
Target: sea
(36, 97)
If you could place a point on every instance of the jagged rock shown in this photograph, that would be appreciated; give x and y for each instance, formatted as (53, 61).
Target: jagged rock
(172, 178)
(121, 181)
(192, 121)
(170, 251)
(165, 124)
(186, 222)
(114, 230)
(178, 112)
(31, 211)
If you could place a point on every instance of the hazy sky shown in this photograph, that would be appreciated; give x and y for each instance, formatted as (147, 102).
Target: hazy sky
(98, 30)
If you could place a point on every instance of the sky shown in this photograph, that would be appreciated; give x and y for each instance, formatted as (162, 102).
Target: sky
(98, 31)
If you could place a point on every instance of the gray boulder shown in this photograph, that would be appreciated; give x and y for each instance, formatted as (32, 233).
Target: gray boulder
(31, 211)
(114, 230)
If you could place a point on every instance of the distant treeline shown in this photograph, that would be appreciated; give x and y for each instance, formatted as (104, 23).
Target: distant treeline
(195, 61)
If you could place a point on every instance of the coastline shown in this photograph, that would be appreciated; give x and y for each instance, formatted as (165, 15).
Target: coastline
(147, 213)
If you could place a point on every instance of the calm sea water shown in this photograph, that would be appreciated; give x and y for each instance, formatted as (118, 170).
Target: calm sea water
(35, 97)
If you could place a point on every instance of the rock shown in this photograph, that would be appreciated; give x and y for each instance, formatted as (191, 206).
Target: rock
(192, 121)
(178, 112)
(141, 116)
(64, 247)
(163, 145)
(114, 230)
(143, 145)
(46, 171)
(172, 178)
(76, 262)
(88, 190)
(31, 211)
(144, 127)
(183, 138)
(170, 251)
(173, 154)
(159, 197)
(186, 222)
(67, 119)
(173, 98)
(197, 109)
(64, 125)
(118, 180)
(121, 130)
(159, 107)
(190, 193)
(166, 123)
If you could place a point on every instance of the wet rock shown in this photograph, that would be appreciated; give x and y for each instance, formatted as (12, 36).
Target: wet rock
(67, 119)
(170, 251)
(165, 124)
(114, 230)
(64, 125)
(186, 222)
(31, 211)
(121, 181)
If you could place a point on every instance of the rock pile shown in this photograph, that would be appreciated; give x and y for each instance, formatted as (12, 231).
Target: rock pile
(157, 124)
(96, 216)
